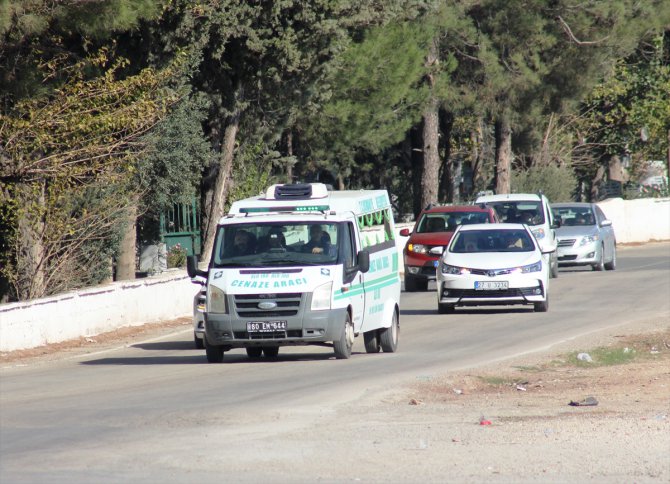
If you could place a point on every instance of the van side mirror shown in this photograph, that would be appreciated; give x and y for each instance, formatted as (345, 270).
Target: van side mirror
(363, 261)
(556, 224)
(606, 223)
(192, 267)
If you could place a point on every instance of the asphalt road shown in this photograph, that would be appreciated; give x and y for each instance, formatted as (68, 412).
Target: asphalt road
(156, 411)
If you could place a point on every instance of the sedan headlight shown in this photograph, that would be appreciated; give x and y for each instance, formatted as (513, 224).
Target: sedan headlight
(589, 239)
(447, 269)
(417, 248)
(535, 267)
(216, 300)
(321, 297)
(538, 233)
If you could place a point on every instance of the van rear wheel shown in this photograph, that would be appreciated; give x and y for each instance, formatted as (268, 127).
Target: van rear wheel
(343, 345)
(254, 352)
(388, 337)
(371, 339)
(270, 351)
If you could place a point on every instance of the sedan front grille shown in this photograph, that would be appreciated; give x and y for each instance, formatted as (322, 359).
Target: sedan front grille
(566, 242)
(474, 294)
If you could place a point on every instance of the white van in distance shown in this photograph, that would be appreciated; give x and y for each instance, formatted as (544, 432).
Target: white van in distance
(302, 265)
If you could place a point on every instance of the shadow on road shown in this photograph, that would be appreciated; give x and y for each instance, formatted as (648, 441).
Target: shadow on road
(165, 345)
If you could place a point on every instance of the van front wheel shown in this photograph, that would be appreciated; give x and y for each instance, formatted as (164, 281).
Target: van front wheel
(214, 353)
(388, 337)
(343, 345)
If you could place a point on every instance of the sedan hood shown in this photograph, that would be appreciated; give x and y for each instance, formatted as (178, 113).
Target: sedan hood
(576, 231)
(491, 260)
(431, 238)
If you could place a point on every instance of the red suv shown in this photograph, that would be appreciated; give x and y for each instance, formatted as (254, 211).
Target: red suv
(432, 233)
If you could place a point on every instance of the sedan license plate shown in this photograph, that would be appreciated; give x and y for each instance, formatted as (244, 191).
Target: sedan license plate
(491, 285)
(265, 326)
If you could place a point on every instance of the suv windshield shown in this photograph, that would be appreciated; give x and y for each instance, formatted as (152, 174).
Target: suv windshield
(448, 221)
(277, 244)
(519, 212)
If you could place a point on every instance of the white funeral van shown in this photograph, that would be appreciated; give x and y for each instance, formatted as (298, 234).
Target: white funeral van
(302, 265)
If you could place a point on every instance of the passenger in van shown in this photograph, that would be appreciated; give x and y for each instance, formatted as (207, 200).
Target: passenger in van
(244, 244)
(319, 241)
(274, 240)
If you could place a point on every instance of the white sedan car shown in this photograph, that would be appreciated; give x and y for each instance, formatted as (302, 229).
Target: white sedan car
(492, 264)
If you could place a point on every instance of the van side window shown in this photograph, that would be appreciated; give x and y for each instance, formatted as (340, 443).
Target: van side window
(347, 252)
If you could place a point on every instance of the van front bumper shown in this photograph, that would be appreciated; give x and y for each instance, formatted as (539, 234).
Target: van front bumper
(307, 327)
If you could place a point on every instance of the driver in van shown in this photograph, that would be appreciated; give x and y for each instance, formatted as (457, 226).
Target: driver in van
(319, 241)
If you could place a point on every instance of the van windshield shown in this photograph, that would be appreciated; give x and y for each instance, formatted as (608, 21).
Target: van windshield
(276, 244)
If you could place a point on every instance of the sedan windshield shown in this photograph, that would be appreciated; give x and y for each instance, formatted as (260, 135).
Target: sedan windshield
(448, 221)
(574, 216)
(506, 240)
(274, 244)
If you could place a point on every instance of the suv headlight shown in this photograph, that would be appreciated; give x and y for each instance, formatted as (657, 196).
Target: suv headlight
(321, 297)
(455, 270)
(216, 300)
(589, 239)
(417, 248)
(538, 233)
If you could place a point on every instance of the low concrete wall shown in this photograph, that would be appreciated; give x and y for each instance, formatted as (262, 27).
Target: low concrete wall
(638, 220)
(95, 310)
(170, 295)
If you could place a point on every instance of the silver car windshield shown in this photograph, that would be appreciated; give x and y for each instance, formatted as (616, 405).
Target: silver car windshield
(574, 216)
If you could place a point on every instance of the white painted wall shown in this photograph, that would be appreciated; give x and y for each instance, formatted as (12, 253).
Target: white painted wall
(170, 295)
(96, 310)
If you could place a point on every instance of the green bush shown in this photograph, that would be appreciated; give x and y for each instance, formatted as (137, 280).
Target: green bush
(558, 183)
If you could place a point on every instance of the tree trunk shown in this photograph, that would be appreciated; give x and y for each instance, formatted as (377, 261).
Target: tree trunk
(289, 153)
(221, 186)
(125, 264)
(503, 154)
(668, 167)
(30, 282)
(430, 180)
(416, 162)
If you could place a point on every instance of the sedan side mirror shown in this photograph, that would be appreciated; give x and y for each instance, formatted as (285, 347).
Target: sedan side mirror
(606, 223)
(556, 224)
(405, 232)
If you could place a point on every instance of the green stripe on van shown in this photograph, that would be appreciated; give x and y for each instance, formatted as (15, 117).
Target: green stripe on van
(357, 289)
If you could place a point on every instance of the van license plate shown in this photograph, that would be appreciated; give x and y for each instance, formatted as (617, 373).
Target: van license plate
(491, 285)
(265, 326)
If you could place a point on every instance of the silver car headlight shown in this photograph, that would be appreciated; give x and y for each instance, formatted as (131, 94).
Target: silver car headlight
(538, 233)
(455, 270)
(216, 300)
(589, 239)
(417, 248)
(535, 267)
(321, 297)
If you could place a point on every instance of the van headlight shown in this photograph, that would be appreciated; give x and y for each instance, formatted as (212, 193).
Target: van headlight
(322, 296)
(538, 233)
(216, 300)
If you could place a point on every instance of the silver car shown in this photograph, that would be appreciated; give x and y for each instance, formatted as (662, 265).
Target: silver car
(199, 301)
(585, 237)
